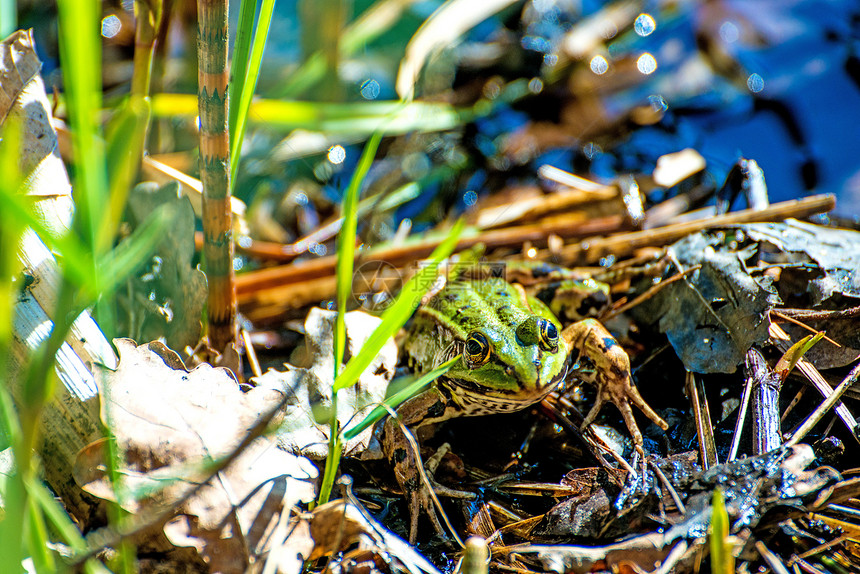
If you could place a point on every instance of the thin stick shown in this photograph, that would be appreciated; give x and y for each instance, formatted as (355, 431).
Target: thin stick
(802, 325)
(253, 362)
(783, 341)
(704, 428)
(676, 498)
(650, 292)
(623, 244)
(739, 424)
(810, 315)
(771, 559)
(825, 407)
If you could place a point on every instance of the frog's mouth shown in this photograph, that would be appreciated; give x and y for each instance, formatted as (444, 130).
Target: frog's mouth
(505, 399)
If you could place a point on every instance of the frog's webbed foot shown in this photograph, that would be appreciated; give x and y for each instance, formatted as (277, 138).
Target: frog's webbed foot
(611, 376)
(620, 391)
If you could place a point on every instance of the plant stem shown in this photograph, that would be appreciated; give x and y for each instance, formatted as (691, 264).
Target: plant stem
(215, 170)
(148, 17)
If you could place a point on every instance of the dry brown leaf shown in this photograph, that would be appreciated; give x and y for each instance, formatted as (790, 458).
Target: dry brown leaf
(339, 525)
(169, 423)
(309, 386)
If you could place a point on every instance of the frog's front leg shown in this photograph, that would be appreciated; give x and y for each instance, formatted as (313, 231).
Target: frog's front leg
(608, 368)
(428, 407)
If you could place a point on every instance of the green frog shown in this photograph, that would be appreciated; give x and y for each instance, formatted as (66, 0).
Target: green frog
(513, 352)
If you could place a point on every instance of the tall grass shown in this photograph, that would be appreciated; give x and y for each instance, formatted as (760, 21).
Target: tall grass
(91, 268)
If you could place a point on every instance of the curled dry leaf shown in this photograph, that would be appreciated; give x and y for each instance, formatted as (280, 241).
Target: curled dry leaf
(170, 424)
(309, 388)
(827, 258)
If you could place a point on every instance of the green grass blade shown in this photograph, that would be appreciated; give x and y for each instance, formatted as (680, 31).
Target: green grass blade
(345, 257)
(346, 244)
(789, 359)
(249, 85)
(239, 64)
(126, 137)
(12, 525)
(722, 560)
(80, 56)
(11, 229)
(359, 118)
(37, 539)
(56, 516)
(399, 312)
(395, 400)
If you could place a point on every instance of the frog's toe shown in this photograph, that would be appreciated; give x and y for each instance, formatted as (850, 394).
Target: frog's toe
(621, 392)
(595, 410)
(632, 395)
(632, 427)
(420, 501)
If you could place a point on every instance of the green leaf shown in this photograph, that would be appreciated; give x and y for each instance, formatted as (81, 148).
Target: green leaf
(399, 312)
(345, 257)
(359, 118)
(346, 244)
(395, 400)
(794, 353)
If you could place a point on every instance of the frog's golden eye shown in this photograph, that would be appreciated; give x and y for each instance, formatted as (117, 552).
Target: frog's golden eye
(477, 350)
(548, 335)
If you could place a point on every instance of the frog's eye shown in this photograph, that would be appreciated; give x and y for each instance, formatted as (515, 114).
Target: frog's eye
(477, 350)
(548, 335)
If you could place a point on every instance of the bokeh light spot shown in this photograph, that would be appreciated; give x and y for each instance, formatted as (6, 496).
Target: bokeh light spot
(658, 104)
(111, 26)
(369, 89)
(599, 65)
(535, 85)
(755, 83)
(729, 32)
(646, 63)
(336, 154)
(644, 24)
